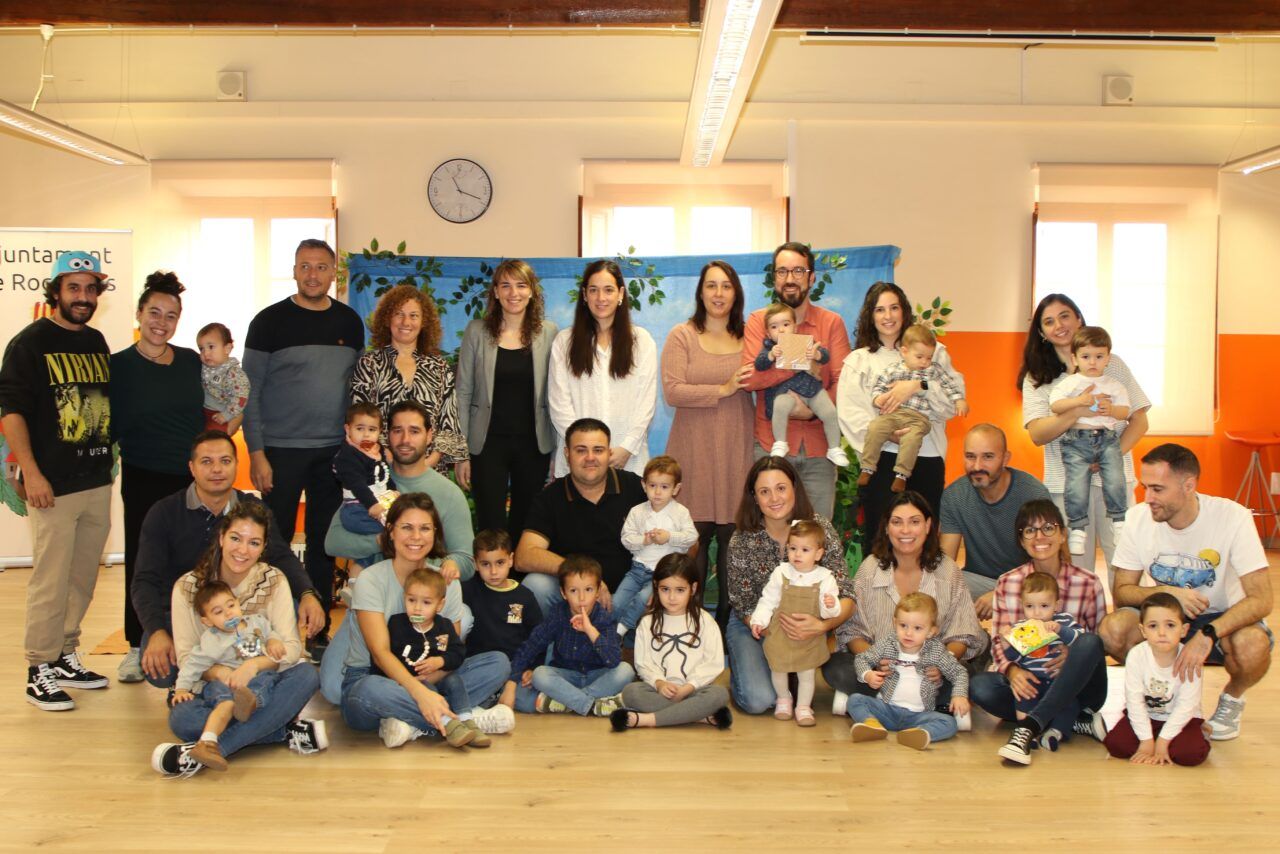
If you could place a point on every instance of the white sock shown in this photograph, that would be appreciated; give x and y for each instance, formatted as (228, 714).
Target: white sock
(209, 736)
(1234, 699)
(780, 686)
(622, 630)
(804, 688)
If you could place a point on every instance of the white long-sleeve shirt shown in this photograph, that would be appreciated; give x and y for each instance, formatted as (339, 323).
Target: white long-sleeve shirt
(626, 405)
(674, 519)
(1152, 692)
(674, 656)
(854, 395)
(771, 596)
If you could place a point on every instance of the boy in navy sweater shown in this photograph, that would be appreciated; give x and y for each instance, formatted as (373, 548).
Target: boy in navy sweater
(505, 611)
(587, 673)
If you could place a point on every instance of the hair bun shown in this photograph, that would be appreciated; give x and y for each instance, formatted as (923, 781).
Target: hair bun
(164, 282)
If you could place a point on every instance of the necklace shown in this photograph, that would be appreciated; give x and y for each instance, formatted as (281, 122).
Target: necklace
(143, 353)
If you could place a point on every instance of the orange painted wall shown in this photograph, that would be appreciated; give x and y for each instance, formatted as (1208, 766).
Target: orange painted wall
(1248, 398)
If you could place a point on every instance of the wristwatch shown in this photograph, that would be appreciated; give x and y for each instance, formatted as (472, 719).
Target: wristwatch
(924, 385)
(1209, 631)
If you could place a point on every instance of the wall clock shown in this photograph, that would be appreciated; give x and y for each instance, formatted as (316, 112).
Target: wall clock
(459, 190)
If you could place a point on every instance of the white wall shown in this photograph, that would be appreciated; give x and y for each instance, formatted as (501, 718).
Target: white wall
(927, 148)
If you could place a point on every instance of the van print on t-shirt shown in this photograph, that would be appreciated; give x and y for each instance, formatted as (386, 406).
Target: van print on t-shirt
(1180, 570)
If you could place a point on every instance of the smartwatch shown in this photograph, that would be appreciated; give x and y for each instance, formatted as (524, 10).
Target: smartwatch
(1210, 632)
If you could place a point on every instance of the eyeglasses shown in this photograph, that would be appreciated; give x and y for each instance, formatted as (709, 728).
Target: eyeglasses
(1048, 529)
(782, 273)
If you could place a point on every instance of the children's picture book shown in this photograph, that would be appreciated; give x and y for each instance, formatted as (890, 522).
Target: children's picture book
(1031, 636)
(794, 347)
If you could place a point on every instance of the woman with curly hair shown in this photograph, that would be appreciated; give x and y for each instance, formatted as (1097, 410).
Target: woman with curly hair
(504, 358)
(404, 363)
(157, 403)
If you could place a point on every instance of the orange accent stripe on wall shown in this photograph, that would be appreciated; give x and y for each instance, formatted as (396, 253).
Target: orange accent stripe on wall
(1247, 400)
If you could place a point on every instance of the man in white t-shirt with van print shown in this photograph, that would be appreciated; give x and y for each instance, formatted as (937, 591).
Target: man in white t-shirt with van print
(1205, 551)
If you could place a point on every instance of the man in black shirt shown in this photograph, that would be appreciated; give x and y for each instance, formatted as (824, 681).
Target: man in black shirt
(57, 419)
(580, 513)
(176, 532)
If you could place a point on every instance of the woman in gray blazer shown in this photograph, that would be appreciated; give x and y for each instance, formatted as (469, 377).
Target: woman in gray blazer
(502, 399)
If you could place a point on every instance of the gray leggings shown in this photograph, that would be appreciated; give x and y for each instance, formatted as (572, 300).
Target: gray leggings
(822, 407)
(702, 703)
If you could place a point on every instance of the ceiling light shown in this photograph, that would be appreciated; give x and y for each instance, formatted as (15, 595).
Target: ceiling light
(46, 130)
(733, 37)
(1258, 162)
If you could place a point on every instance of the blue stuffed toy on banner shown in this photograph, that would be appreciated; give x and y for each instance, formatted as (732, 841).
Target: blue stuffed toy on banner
(662, 290)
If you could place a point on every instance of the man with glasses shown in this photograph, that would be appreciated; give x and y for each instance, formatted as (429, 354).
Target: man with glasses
(980, 509)
(793, 276)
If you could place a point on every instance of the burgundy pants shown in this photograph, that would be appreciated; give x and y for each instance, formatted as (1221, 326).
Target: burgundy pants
(1189, 747)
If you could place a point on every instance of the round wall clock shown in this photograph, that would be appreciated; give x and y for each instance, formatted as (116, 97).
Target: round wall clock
(460, 190)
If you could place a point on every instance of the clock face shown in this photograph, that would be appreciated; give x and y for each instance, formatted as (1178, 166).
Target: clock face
(460, 190)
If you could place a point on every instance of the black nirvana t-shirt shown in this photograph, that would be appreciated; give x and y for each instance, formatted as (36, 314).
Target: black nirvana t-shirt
(57, 380)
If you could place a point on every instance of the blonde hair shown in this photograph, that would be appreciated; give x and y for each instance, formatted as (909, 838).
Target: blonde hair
(918, 603)
(918, 333)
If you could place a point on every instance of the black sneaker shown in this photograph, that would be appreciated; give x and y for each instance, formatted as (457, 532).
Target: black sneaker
(307, 736)
(174, 760)
(43, 691)
(1018, 749)
(71, 673)
(1090, 724)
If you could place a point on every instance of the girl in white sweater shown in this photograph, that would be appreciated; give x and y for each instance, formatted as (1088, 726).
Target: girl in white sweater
(678, 654)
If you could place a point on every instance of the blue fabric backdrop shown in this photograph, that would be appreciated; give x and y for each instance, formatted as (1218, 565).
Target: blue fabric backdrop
(457, 283)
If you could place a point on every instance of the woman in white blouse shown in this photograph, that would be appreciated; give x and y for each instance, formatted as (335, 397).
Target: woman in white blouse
(603, 367)
(1046, 358)
(886, 312)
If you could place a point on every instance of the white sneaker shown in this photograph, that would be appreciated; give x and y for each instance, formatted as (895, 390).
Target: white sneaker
(1075, 541)
(495, 721)
(964, 723)
(840, 704)
(1225, 723)
(130, 670)
(779, 449)
(395, 732)
(838, 456)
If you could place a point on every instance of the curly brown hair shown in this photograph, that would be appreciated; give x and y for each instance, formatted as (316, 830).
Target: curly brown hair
(428, 339)
(514, 268)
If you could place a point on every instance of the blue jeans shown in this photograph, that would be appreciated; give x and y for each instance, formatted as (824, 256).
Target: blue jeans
(478, 679)
(367, 699)
(357, 520)
(1080, 450)
(894, 718)
(750, 683)
(292, 690)
(579, 691)
(1081, 684)
(545, 588)
(261, 686)
(632, 595)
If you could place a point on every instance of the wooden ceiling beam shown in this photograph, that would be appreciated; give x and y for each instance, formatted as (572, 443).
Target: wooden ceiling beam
(1030, 16)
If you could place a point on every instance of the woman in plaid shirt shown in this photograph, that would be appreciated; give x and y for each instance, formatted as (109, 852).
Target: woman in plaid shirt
(1081, 677)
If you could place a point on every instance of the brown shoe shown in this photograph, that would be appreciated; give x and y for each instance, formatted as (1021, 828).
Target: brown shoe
(480, 740)
(458, 734)
(915, 738)
(899, 484)
(868, 730)
(865, 477)
(244, 704)
(208, 754)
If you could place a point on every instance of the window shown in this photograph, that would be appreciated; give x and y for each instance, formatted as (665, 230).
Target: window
(232, 233)
(1135, 247)
(666, 209)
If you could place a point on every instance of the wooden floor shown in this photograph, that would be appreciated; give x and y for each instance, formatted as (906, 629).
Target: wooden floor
(81, 780)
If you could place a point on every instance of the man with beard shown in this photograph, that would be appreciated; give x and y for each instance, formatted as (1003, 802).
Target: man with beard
(299, 356)
(175, 534)
(409, 435)
(54, 399)
(1205, 552)
(580, 513)
(793, 277)
(980, 510)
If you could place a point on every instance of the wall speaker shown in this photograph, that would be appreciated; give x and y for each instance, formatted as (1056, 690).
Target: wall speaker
(230, 85)
(1117, 90)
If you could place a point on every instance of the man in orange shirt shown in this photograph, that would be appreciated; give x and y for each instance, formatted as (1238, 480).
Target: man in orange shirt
(793, 276)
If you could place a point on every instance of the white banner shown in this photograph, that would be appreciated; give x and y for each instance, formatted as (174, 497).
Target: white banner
(26, 259)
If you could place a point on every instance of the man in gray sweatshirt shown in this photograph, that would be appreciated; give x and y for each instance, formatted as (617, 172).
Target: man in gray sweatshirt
(299, 355)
